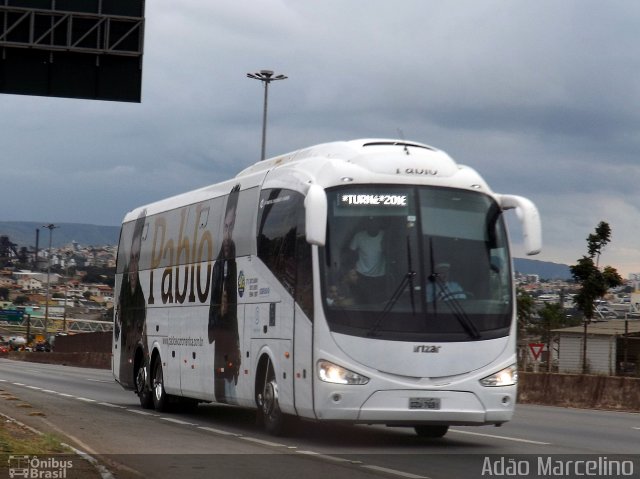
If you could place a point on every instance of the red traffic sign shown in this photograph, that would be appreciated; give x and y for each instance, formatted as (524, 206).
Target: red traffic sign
(536, 350)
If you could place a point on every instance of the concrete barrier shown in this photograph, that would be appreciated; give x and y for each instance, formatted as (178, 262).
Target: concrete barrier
(99, 342)
(82, 360)
(580, 391)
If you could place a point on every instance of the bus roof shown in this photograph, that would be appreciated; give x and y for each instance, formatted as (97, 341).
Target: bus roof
(368, 160)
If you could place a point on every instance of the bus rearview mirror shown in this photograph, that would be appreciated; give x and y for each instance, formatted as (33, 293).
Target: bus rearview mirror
(315, 209)
(529, 218)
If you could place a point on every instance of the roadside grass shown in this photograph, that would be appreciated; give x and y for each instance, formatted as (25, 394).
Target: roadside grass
(16, 439)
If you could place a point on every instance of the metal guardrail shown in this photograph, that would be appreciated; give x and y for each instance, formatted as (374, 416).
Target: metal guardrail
(73, 324)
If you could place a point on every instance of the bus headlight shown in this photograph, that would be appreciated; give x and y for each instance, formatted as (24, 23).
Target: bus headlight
(332, 373)
(506, 377)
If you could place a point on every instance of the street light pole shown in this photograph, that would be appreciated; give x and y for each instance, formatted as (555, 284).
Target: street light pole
(265, 76)
(66, 291)
(50, 227)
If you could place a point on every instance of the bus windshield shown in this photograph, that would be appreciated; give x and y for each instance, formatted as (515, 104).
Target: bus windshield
(416, 263)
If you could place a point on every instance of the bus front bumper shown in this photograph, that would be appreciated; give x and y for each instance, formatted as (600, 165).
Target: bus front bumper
(413, 407)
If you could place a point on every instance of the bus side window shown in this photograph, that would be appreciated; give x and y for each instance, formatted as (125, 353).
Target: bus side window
(280, 226)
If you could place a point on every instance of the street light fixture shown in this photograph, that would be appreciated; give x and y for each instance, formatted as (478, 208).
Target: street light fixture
(50, 227)
(265, 76)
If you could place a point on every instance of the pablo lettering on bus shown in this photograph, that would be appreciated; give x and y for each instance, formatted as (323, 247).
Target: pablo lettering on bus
(181, 278)
(416, 171)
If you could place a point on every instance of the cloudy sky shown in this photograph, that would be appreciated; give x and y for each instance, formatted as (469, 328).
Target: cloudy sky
(541, 97)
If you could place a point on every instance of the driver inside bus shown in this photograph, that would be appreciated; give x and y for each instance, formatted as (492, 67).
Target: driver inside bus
(441, 287)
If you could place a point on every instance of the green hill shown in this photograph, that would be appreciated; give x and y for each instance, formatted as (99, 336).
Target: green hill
(544, 269)
(23, 233)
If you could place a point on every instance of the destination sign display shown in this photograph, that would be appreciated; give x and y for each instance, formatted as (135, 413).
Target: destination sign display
(373, 200)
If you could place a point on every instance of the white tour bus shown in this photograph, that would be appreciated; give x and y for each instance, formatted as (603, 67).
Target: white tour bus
(366, 281)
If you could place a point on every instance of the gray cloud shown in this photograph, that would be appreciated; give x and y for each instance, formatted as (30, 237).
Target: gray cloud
(540, 97)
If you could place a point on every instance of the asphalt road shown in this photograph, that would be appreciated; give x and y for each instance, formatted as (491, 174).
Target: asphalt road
(97, 416)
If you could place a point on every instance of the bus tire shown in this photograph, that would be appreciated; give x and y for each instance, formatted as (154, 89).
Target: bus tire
(143, 391)
(272, 416)
(160, 397)
(431, 431)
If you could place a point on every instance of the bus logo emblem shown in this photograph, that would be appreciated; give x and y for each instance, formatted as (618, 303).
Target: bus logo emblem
(241, 284)
(426, 348)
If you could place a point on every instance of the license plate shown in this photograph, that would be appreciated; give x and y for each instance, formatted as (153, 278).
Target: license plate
(424, 403)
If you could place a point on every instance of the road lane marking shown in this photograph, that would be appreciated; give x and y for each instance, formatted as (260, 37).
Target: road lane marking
(329, 457)
(108, 404)
(506, 438)
(66, 395)
(262, 441)
(178, 421)
(49, 391)
(142, 413)
(395, 472)
(219, 431)
(101, 381)
(85, 399)
(35, 387)
(102, 470)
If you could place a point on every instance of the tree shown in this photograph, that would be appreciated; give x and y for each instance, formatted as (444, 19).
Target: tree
(593, 282)
(552, 317)
(525, 309)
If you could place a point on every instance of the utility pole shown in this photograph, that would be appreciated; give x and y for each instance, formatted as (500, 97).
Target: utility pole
(50, 227)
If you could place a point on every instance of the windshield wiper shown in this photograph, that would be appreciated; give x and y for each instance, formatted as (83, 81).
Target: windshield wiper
(407, 279)
(453, 303)
(455, 306)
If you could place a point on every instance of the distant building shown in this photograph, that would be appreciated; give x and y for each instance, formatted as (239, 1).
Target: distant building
(39, 279)
(606, 343)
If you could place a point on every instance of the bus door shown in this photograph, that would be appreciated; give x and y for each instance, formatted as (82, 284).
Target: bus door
(284, 251)
(303, 328)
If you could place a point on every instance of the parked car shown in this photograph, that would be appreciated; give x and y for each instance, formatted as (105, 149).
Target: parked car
(42, 346)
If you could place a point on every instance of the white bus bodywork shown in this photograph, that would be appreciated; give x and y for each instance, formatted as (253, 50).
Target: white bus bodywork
(297, 354)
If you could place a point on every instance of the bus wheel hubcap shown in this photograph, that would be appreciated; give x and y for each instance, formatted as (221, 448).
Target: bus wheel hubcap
(269, 398)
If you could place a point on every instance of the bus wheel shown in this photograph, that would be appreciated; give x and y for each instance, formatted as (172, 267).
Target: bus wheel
(270, 408)
(431, 431)
(160, 399)
(142, 390)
